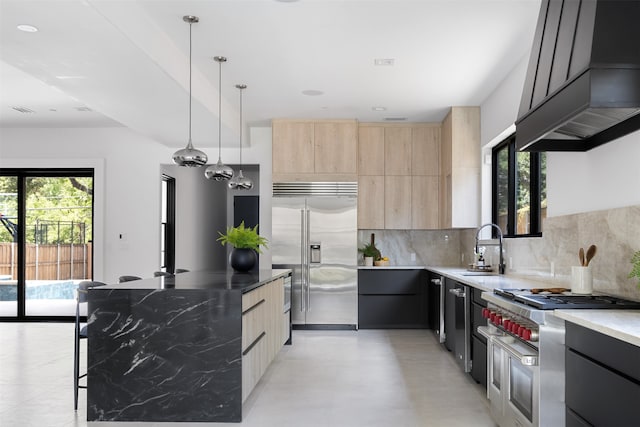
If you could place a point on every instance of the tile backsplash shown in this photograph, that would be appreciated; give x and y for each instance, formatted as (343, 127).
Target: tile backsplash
(616, 233)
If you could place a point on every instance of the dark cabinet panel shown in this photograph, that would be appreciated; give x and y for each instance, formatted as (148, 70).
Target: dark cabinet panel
(392, 299)
(602, 379)
(388, 311)
(479, 358)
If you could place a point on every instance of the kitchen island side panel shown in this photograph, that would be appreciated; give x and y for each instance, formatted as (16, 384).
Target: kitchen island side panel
(164, 355)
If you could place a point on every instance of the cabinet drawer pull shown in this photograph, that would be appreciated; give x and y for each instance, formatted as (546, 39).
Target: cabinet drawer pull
(253, 344)
(253, 307)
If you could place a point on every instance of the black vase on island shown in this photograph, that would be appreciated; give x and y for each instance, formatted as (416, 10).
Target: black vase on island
(242, 259)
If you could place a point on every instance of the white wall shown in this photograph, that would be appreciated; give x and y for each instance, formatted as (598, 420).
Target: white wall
(605, 177)
(127, 188)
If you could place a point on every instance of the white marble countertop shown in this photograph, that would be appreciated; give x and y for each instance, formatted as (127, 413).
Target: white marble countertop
(391, 267)
(488, 281)
(621, 324)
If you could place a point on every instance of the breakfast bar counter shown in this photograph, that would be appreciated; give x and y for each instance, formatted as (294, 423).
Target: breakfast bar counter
(174, 348)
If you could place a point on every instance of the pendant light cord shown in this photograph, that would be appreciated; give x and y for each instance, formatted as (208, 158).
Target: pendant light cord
(190, 102)
(240, 128)
(220, 113)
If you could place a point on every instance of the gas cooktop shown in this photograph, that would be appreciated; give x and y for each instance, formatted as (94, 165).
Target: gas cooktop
(559, 298)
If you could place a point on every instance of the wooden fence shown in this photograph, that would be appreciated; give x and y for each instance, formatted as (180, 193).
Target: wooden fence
(48, 262)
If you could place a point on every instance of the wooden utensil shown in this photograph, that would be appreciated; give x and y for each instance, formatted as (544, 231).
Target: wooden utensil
(591, 252)
(581, 256)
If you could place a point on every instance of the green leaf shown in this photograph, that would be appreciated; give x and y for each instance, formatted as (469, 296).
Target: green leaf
(243, 237)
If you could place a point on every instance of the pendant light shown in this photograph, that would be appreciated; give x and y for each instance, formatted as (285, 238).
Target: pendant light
(239, 182)
(190, 156)
(219, 171)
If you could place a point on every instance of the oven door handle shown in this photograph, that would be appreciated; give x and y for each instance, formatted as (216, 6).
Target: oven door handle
(525, 359)
(484, 331)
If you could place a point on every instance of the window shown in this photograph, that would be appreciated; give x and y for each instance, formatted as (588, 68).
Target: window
(519, 190)
(46, 241)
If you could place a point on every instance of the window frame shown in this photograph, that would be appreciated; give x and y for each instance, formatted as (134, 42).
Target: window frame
(535, 202)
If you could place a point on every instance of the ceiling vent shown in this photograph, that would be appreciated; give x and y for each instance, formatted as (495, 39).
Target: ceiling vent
(23, 110)
(395, 119)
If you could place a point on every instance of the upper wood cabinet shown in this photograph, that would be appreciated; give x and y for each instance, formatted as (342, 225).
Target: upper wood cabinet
(371, 154)
(398, 169)
(460, 168)
(371, 206)
(314, 150)
(397, 150)
(293, 147)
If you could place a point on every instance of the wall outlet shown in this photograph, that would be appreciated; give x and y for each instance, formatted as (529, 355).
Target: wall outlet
(553, 269)
(413, 256)
(510, 263)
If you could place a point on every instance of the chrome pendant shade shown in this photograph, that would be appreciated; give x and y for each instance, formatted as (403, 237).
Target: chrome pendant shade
(190, 156)
(240, 182)
(219, 171)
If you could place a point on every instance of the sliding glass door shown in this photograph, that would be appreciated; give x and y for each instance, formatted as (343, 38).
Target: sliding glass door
(46, 241)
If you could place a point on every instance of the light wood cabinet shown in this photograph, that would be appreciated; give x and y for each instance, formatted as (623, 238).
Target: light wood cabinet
(314, 150)
(425, 150)
(293, 147)
(460, 169)
(371, 202)
(397, 204)
(399, 190)
(371, 154)
(262, 331)
(397, 150)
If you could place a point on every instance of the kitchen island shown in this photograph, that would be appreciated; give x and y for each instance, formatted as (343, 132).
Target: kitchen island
(183, 348)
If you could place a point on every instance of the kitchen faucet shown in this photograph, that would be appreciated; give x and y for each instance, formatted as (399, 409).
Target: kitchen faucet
(501, 266)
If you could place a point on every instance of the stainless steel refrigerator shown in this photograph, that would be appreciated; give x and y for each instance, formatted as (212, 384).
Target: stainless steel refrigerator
(315, 233)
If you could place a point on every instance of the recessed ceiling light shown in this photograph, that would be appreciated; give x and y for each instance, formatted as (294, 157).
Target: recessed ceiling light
(378, 108)
(384, 62)
(27, 28)
(312, 92)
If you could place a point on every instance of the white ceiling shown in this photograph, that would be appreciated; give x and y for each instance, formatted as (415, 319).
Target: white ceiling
(127, 61)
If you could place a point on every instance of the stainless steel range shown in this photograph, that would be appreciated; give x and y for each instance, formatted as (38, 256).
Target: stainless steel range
(525, 352)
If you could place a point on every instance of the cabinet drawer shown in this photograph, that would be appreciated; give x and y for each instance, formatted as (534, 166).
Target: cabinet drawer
(477, 319)
(600, 396)
(389, 311)
(253, 323)
(607, 350)
(254, 363)
(477, 297)
(389, 282)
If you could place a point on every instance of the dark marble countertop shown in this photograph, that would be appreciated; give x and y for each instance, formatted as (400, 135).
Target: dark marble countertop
(218, 280)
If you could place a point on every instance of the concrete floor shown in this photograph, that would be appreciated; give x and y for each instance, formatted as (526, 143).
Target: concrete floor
(370, 378)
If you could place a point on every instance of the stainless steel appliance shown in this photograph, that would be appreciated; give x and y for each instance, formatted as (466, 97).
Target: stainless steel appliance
(525, 353)
(315, 234)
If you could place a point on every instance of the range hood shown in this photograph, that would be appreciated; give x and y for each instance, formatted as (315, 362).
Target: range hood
(582, 87)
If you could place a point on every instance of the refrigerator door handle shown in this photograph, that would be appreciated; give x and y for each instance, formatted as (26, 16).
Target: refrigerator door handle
(308, 253)
(302, 262)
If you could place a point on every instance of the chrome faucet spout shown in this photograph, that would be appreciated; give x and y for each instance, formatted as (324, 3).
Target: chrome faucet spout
(501, 266)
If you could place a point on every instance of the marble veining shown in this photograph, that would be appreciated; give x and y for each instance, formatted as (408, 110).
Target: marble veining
(171, 355)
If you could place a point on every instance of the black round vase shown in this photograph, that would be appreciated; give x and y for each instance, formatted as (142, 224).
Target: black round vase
(242, 259)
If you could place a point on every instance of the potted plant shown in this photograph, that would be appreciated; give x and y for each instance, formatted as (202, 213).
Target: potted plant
(370, 252)
(246, 243)
(635, 271)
